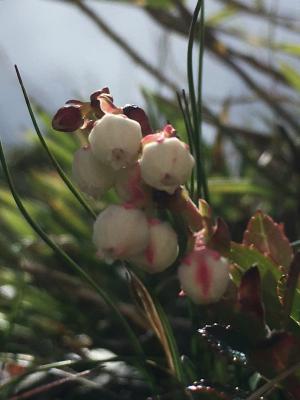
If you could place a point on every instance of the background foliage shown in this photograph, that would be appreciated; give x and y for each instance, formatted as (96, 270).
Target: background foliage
(48, 315)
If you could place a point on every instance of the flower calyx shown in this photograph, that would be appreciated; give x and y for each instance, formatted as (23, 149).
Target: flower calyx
(76, 114)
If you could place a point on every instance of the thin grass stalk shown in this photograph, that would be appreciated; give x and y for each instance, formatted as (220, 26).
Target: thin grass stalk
(188, 127)
(200, 102)
(273, 382)
(68, 260)
(55, 163)
(172, 343)
(194, 151)
(8, 386)
(193, 99)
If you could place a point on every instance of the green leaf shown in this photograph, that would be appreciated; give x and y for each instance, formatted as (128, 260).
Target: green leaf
(268, 238)
(246, 258)
(291, 298)
(236, 186)
(221, 16)
(292, 76)
(148, 3)
(290, 48)
(155, 3)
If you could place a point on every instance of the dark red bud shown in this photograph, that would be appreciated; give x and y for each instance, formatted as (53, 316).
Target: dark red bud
(68, 119)
(138, 114)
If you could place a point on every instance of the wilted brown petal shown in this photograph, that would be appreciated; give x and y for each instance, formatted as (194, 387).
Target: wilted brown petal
(68, 119)
(94, 97)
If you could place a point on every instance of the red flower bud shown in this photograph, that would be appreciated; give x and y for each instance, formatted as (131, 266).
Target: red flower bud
(138, 114)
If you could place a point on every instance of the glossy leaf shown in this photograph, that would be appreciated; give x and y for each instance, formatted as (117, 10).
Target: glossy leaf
(291, 293)
(268, 238)
(250, 294)
(220, 239)
(245, 257)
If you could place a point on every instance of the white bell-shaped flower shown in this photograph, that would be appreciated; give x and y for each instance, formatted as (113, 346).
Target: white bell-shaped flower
(120, 233)
(130, 187)
(204, 276)
(115, 140)
(91, 176)
(162, 249)
(166, 164)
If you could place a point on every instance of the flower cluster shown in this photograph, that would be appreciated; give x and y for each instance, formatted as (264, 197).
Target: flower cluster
(148, 172)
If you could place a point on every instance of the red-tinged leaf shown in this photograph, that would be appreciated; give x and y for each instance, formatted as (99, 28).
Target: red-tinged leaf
(245, 257)
(180, 203)
(268, 237)
(277, 358)
(250, 295)
(68, 119)
(281, 287)
(290, 290)
(276, 353)
(220, 240)
(138, 114)
(205, 209)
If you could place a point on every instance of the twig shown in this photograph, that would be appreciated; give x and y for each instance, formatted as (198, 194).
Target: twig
(137, 58)
(285, 21)
(227, 56)
(49, 386)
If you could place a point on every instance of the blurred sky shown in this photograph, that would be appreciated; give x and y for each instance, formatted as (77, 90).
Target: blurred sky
(61, 54)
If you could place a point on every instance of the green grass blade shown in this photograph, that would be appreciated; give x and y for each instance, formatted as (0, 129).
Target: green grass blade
(196, 101)
(172, 342)
(184, 108)
(192, 95)
(200, 103)
(56, 165)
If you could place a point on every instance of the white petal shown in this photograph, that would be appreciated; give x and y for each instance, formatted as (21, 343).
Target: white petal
(204, 276)
(91, 176)
(115, 140)
(120, 233)
(166, 164)
(162, 249)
